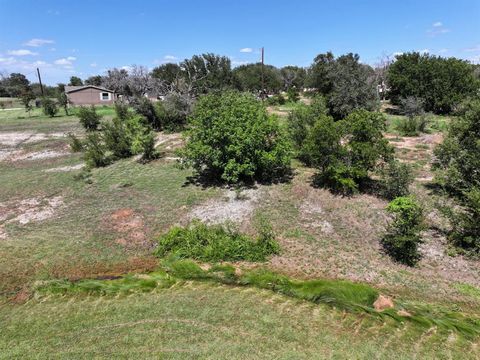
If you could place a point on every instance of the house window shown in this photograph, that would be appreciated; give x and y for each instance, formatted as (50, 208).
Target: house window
(105, 96)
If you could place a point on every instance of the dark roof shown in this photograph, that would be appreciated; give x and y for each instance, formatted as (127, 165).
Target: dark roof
(70, 89)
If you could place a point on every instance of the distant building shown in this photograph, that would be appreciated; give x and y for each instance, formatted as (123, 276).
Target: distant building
(90, 95)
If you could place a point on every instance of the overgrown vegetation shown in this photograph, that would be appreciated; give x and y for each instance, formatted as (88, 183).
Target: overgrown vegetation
(458, 162)
(441, 83)
(217, 243)
(49, 107)
(89, 118)
(395, 179)
(403, 235)
(345, 151)
(233, 139)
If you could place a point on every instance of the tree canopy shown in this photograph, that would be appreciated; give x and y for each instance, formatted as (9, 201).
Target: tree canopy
(442, 83)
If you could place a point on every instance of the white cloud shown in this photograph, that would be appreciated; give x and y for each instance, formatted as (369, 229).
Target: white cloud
(67, 62)
(424, 51)
(169, 57)
(246, 50)
(166, 59)
(437, 29)
(38, 42)
(442, 51)
(397, 53)
(21, 52)
(472, 49)
(126, 67)
(93, 64)
(8, 60)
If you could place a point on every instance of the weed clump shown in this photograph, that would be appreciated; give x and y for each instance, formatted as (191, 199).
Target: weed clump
(214, 243)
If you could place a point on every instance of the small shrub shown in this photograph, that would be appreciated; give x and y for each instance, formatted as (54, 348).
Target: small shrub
(174, 110)
(302, 119)
(95, 151)
(215, 243)
(403, 236)
(76, 144)
(396, 178)
(145, 108)
(49, 107)
(411, 106)
(148, 147)
(89, 118)
(121, 110)
(292, 95)
(412, 126)
(277, 99)
(466, 224)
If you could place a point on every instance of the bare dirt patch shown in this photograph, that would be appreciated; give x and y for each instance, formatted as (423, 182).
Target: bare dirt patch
(17, 138)
(169, 141)
(66, 168)
(129, 227)
(232, 207)
(28, 210)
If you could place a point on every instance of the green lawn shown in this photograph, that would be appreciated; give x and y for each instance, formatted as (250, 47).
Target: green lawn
(208, 321)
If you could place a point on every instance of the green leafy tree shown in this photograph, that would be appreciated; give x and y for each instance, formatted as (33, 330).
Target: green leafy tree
(249, 78)
(207, 72)
(168, 73)
(395, 179)
(442, 83)
(346, 83)
(63, 101)
(233, 139)
(75, 81)
(94, 80)
(403, 235)
(293, 76)
(26, 98)
(16, 84)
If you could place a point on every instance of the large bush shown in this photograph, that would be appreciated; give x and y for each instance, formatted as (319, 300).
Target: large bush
(403, 236)
(232, 138)
(440, 82)
(457, 161)
(89, 118)
(346, 151)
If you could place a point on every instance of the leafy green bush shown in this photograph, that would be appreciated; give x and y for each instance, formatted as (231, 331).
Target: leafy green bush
(215, 243)
(396, 178)
(75, 143)
(403, 236)
(412, 126)
(128, 137)
(457, 161)
(49, 107)
(121, 110)
(345, 151)
(174, 110)
(277, 99)
(146, 108)
(96, 151)
(466, 224)
(233, 139)
(292, 95)
(302, 118)
(89, 118)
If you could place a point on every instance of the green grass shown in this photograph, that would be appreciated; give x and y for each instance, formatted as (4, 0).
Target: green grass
(205, 320)
(438, 123)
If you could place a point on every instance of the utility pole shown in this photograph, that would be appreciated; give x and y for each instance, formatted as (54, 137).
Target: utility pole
(40, 81)
(263, 76)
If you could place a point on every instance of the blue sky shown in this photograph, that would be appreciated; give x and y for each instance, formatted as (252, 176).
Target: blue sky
(84, 38)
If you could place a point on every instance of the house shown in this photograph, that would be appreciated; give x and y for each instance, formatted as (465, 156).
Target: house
(90, 95)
